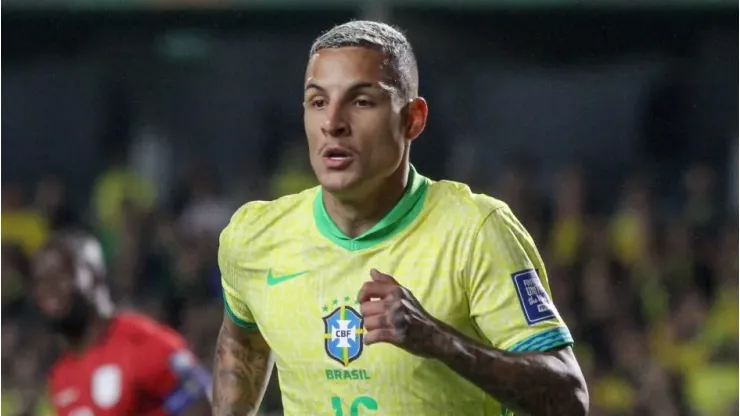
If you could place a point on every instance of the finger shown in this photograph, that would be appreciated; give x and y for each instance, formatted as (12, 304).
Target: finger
(379, 335)
(382, 277)
(375, 322)
(375, 290)
(372, 307)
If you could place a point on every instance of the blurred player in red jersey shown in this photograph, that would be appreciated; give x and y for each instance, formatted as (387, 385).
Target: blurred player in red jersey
(113, 363)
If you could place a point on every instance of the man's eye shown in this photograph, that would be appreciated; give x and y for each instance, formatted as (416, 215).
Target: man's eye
(362, 102)
(318, 103)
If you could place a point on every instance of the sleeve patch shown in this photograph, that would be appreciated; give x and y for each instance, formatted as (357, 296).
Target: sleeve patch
(533, 298)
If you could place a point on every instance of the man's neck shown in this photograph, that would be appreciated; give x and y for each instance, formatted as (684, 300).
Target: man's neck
(92, 332)
(355, 216)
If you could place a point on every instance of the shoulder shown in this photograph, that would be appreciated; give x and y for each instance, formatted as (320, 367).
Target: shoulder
(59, 370)
(144, 331)
(254, 218)
(457, 200)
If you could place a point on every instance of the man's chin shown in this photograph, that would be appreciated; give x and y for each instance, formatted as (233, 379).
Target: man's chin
(72, 322)
(339, 182)
(68, 325)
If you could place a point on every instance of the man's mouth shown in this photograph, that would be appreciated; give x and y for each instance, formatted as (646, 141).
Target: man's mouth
(337, 155)
(337, 158)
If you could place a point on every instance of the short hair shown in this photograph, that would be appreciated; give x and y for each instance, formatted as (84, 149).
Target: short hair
(379, 36)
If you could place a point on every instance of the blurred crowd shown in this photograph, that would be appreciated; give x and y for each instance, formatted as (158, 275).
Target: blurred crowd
(648, 288)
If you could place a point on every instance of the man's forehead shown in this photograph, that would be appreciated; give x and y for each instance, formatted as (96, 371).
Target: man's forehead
(347, 85)
(51, 258)
(344, 64)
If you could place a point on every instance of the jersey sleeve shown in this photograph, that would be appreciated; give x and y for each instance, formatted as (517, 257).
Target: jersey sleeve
(229, 242)
(510, 299)
(170, 373)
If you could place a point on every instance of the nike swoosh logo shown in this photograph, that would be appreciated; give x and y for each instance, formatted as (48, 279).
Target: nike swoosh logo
(276, 280)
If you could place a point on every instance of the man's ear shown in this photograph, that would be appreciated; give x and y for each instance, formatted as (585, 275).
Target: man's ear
(416, 112)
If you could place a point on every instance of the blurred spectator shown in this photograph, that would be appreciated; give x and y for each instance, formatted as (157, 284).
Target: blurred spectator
(631, 223)
(151, 158)
(700, 209)
(206, 211)
(51, 200)
(294, 172)
(517, 186)
(14, 288)
(567, 234)
(21, 225)
(116, 190)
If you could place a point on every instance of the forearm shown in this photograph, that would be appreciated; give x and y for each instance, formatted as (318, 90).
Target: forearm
(242, 369)
(531, 383)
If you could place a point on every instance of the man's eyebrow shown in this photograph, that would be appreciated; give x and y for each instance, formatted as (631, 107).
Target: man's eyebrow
(312, 85)
(357, 86)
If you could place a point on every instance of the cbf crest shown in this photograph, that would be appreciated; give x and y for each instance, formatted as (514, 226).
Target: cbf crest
(343, 333)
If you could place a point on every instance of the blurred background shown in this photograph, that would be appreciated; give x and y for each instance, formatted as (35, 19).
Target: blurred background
(612, 131)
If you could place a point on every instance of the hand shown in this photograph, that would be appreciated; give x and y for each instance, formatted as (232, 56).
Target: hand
(393, 315)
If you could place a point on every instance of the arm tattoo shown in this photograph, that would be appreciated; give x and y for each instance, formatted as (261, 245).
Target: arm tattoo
(242, 369)
(548, 383)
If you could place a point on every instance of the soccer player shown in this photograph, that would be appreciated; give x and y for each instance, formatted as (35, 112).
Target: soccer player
(113, 363)
(382, 291)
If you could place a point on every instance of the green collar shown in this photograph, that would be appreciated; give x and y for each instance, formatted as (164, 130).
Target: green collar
(403, 214)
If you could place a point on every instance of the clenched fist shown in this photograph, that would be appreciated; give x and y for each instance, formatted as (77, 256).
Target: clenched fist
(393, 315)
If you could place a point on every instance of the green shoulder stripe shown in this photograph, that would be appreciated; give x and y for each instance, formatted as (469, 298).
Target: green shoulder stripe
(242, 323)
(544, 341)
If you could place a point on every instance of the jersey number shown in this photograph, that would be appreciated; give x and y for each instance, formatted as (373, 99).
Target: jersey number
(354, 409)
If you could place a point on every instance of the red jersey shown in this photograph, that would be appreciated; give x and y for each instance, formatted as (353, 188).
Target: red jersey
(138, 368)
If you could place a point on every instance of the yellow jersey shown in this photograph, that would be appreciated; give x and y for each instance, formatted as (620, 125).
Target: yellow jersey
(289, 272)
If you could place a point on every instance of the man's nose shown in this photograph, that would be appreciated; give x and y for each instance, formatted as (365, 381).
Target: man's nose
(336, 124)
